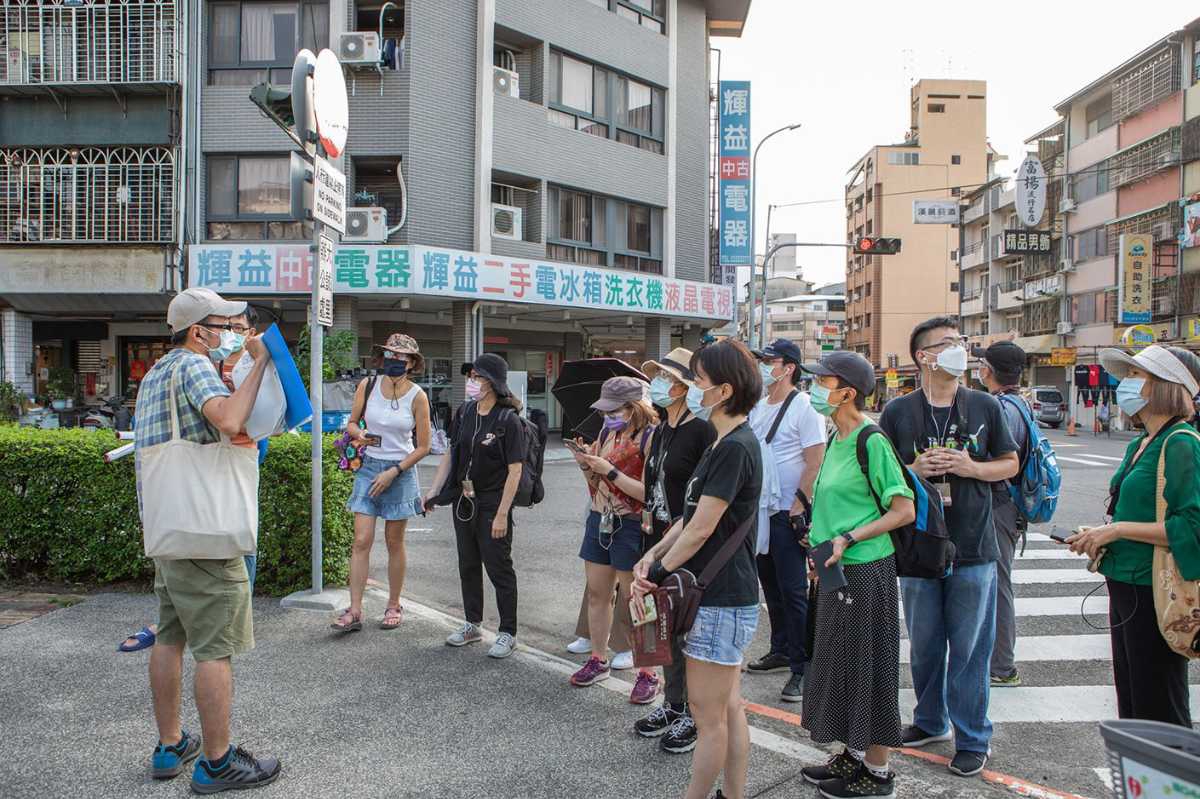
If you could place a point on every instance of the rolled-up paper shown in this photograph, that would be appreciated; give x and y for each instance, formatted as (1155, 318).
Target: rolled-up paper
(119, 452)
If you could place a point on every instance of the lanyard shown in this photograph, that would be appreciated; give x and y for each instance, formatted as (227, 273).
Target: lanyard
(951, 419)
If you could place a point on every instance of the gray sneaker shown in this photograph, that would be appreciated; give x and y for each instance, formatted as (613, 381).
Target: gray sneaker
(467, 634)
(794, 690)
(504, 646)
(239, 770)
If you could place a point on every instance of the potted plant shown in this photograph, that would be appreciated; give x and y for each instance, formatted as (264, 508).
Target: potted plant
(60, 388)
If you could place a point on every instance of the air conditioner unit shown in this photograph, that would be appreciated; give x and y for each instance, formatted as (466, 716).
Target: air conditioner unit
(1163, 231)
(506, 82)
(1066, 265)
(507, 222)
(359, 48)
(1065, 329)
(366, 225)
(1067, 205)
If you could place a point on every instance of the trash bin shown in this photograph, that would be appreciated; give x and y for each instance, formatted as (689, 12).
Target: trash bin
(1150, 759)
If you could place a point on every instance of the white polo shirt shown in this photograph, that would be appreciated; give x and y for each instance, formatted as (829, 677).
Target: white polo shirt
(801, 428)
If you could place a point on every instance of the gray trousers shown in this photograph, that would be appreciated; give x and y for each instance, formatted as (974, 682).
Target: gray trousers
(1008, 534)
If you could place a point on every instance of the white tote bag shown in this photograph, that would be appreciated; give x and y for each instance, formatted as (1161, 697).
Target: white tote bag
(270, 406)
(199, 501)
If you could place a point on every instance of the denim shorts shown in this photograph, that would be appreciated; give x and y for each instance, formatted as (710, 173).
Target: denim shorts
(721, 635)
(401, 500)
(622, 550)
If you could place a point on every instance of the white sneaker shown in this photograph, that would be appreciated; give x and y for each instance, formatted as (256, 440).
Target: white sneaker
(580, 646)
(503, 647)
(622, 661)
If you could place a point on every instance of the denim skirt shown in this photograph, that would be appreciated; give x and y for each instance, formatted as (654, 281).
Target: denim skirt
(721, 635)
(401, 500)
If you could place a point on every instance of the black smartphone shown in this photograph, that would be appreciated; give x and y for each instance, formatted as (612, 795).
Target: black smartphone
(1060, 535)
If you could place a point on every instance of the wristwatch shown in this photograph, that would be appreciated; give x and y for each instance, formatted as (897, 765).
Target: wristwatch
(849, 539)
(612, 475)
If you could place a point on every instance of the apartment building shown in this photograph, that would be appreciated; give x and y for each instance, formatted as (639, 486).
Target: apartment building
(816, 322)
(945, 148)
(554, 157)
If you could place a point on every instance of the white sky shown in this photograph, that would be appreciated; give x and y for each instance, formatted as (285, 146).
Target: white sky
(843, 70)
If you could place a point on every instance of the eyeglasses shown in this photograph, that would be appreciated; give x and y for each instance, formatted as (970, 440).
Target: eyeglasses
(241, 330)
(217, 327)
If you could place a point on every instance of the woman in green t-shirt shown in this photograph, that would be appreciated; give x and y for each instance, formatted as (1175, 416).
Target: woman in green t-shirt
(852, 686)
(1156, 390)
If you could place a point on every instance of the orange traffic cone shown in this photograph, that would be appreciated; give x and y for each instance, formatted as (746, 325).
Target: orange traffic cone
(1071, 426)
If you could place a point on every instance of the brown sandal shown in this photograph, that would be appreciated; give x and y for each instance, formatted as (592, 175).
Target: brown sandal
(392, 618)
(348, 622)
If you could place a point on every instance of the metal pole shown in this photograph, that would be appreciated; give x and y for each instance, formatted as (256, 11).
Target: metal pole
(753, 216)
(762, 301)
(316, 343)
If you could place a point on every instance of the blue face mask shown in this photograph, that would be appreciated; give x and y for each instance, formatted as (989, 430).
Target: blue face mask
(767, 378)
(1129, 395)
(660, 392)
(230, 343)
(695, 402)
(820, 400)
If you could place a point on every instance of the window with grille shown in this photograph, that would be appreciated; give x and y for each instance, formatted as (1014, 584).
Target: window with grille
(1146, 84)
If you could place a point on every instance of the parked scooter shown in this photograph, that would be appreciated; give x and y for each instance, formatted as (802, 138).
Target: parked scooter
(112, 415)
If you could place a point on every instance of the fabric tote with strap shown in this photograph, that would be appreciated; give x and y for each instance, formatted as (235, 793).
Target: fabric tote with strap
(1175, 599)
(199, 501)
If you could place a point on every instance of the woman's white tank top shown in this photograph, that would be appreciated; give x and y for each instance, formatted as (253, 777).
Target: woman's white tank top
(392, 421)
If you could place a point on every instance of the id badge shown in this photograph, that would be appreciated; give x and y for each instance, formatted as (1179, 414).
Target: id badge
(468, 488)
(606, 523)
(943, 487)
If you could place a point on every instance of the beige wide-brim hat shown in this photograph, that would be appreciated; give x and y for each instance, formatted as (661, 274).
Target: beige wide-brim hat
(676, 364)
(1156, 360)
(401, 344)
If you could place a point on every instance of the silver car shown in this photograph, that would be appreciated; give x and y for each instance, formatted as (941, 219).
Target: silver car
(1048, 405)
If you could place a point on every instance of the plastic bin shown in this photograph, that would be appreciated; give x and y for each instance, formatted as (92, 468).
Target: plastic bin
(1150, 759)
(331, 422)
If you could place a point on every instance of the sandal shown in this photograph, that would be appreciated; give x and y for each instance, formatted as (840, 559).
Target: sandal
(142, 639)
(392, 618)
(348, 622)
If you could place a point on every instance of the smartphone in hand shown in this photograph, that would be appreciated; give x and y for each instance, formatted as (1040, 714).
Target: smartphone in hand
(1060, 535)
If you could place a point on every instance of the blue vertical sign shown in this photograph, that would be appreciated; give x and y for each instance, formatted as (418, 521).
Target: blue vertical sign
(734, 180)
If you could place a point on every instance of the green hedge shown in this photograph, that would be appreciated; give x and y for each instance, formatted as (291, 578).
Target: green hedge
(66, 515)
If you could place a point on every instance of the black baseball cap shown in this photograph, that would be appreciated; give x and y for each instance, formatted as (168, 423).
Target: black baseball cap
(849, 366)
(1004, 358)
(781, 348)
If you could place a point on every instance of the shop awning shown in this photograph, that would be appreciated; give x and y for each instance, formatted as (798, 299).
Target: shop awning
(1037, 344)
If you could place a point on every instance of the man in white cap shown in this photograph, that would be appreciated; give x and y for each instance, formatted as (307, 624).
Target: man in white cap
(204, 604)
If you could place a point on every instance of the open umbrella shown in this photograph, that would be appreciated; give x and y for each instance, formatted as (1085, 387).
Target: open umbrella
(578, 386)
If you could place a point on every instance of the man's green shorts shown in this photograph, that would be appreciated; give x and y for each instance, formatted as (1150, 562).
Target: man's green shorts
(205, 604)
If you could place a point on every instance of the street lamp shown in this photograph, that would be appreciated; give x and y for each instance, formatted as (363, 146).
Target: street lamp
(753, 219)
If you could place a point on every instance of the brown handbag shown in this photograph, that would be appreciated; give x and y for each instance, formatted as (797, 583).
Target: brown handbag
(1176, 600)
(681, 593)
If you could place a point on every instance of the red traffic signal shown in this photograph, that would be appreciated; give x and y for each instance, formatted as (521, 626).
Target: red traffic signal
(866, 245)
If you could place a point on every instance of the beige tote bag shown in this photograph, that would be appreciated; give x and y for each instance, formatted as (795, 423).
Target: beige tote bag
(1176, 600)
(199, 501)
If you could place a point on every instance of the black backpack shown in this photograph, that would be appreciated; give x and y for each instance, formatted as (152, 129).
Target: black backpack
(535, 429)
(923, 547)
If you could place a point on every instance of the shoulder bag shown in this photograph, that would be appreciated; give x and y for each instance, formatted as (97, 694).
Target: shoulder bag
(1175, 599)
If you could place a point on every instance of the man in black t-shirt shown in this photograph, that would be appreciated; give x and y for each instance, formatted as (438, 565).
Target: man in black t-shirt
(958, 439)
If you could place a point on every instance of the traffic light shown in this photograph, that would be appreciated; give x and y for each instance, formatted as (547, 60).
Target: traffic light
(290, 108)
(868, 245)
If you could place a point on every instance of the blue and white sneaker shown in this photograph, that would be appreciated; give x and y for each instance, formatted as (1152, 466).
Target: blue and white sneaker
(237, 770)
(169, 761)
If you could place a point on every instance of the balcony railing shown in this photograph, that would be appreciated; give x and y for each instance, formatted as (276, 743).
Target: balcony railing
(972, 255)
(1145, 159)
(976, 210)
(115, 42)
(92, 195)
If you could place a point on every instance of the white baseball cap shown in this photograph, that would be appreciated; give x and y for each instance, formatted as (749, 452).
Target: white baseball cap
(192, 306)
(1158, 361)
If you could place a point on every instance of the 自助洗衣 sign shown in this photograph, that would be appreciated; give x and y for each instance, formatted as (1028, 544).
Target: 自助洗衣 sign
(735, 193)
(1134, 288)
(242, 268)
(1026, 241)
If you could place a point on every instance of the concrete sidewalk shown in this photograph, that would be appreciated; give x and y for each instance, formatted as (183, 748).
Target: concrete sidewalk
(375, 714)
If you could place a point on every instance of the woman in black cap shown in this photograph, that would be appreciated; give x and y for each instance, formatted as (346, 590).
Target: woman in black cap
(488, 449)
(852, 687)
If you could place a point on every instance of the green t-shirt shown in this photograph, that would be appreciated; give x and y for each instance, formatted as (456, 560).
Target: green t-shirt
(842, 501)
(1132, 561)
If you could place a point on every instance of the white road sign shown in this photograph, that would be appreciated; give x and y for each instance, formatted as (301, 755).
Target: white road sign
(935, 212)
(1031, 191)
(329, 195)
(325, 282)
(330, 103)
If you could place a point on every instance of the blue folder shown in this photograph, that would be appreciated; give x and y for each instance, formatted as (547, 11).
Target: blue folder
(299, 408)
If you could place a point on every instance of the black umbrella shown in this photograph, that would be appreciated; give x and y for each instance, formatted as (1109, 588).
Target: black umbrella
(578, 386)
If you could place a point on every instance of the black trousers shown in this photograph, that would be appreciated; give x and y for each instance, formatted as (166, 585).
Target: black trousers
(477, 550)
(1151, 679)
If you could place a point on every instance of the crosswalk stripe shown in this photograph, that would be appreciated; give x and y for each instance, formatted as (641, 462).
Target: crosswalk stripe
(1035, 648)
(1076, 703)
(1112, 458)
(1053, 576)
(1061, 553)
(1055, 606)
(1081, 460)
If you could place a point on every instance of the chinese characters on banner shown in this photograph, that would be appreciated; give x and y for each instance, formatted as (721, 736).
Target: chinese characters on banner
(241, 268)
(1135, 292)
(735, 195)
(1026, 241)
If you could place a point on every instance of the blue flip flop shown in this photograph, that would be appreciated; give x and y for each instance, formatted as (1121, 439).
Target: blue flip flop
(144, 637)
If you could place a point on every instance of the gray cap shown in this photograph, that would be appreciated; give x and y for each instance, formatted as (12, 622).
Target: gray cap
(849, 366)
(617, 392)
(192, 306)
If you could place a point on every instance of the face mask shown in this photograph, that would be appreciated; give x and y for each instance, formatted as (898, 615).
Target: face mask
(767, 378)
(820, 400)
(952, 360)
(1129, 395)
(614, 423)
(395, 368)
(660, 392)
(230, 343)
(695, 402)
(473, 389)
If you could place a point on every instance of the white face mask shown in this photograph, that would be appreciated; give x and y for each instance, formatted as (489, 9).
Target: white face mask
(952, 360)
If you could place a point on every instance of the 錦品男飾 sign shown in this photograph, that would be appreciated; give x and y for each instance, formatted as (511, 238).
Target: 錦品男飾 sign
(1135, 286)
(734, 191)
(242, 268)
(1026, 241)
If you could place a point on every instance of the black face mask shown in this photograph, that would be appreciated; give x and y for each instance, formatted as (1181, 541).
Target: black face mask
(395, 369)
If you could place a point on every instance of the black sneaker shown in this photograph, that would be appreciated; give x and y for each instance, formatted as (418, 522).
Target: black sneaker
(914, 736)
(968, 764)
(843, 765)
(863, 783)
(240, 770)
(772, 661)
(657, 723)
(794, 690)
(682, 737)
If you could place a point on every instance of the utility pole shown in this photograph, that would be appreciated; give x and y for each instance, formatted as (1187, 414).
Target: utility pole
(753, 218)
